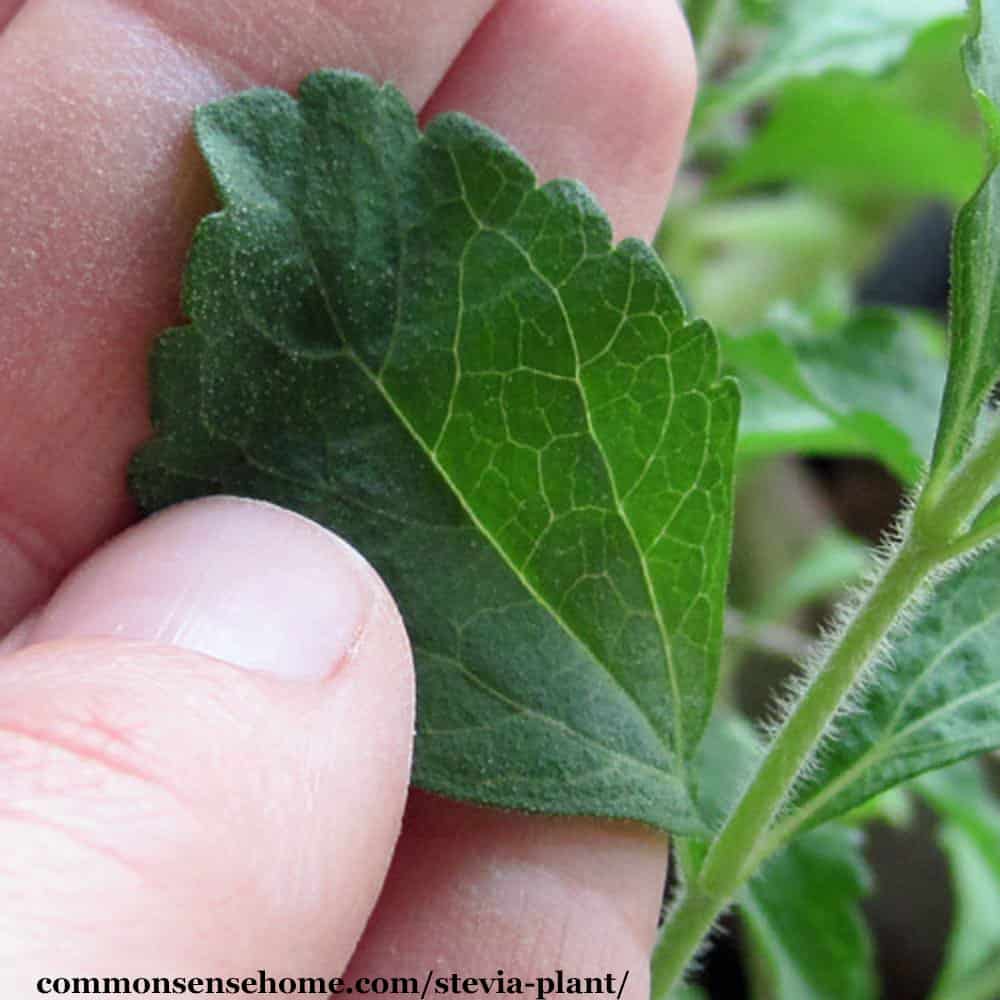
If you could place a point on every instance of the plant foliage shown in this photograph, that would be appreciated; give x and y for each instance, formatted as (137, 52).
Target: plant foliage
(400, 334)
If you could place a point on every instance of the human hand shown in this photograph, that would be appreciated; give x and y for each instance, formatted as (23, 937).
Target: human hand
(165, 811)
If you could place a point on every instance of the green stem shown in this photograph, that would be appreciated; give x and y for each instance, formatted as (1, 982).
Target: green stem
(688, 923)
(728, 863)
(686, 858)
(944, 508)
(936, 533)
(972, 540)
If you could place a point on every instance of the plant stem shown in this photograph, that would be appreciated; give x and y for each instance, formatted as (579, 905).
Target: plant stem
(934, 537)
(688, 923)
(943, 509)
(730, 859)
(972, 540)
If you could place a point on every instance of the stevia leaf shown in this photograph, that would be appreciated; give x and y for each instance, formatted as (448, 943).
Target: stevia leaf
(807, 935)
(812, 37)
(939, 702)
(974, 364)
(871, 387)
(970, 837)
(850, 136)
(398, 334)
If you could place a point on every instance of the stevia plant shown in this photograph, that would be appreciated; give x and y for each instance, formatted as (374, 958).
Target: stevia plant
(401, 335)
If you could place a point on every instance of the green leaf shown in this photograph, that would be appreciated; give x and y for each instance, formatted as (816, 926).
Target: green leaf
(970, 837)
(975, 267)
(725, 763)
(833, 561)
(939, 702)
(812, 37)
(872, 387)
(736, 257)
(398, 334)
(808, 936)
(758, 10)
(848, 136)
(893, 807)
(910, 132)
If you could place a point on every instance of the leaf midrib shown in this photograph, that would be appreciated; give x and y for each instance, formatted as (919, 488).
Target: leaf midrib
(678, 733)
(376, 381)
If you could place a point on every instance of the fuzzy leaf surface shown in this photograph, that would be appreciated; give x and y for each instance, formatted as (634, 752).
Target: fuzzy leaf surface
(938, 703)
(401, 336)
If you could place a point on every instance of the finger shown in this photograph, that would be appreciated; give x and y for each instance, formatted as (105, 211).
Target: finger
(597, 91)
(100, 188)
(472, 891)
(224, 797)
(8, 8)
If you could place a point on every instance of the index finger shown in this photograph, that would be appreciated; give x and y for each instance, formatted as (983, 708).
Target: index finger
(100, 188)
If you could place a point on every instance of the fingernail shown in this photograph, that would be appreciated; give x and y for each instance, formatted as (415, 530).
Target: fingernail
(237, 580)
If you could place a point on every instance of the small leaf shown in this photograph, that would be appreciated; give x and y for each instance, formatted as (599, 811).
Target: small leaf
(401, 336)
(834, 560)
(974, 364)
(893, 807)
(808, 936)
(849, 136)
(970, 837)
(939, 702)
(871, 387)
(813, 37)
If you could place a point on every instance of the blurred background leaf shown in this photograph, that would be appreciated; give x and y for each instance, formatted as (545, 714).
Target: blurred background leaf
(808, 936)
(970, 837)
(831, 146)
(871, 385)
(811, 37)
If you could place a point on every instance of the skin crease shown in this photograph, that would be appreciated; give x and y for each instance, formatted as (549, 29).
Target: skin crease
(162, 779)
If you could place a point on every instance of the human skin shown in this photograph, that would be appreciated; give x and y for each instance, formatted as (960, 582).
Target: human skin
(206, 723)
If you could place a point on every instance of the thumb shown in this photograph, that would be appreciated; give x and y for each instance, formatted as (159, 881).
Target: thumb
(204, 752)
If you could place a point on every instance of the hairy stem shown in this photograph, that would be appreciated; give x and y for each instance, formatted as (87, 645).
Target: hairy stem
(944, 509)
(933, 536)
(729, 860)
